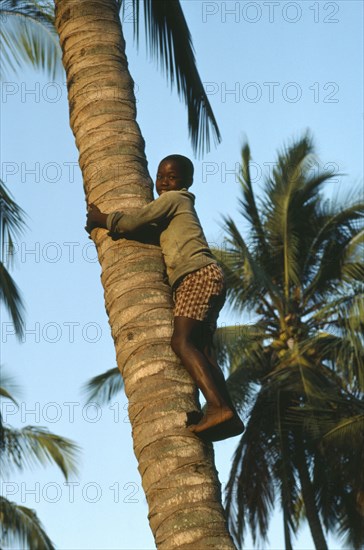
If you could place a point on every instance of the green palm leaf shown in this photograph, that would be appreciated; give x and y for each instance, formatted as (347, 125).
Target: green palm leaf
(351, 428)
(337, 239)
(31, 446)
(11, 297)
(12, 226)
(170, 42)
(21, 528)
(247, 280)
(103, 387)
(248, 203)
(8, 387)
(239, 349)
(283, 216)
(251, 489)
(29, 36)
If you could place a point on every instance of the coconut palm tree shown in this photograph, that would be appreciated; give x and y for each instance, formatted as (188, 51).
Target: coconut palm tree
(21, 448)
(296, 369)
(177, 470)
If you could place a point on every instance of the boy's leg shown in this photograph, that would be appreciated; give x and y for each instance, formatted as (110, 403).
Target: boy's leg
(216, 371)
(186, 343)
(233, 426)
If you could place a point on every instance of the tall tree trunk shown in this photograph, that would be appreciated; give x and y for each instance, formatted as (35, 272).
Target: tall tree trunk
(287, 532)
(309, 500)
(178, 473)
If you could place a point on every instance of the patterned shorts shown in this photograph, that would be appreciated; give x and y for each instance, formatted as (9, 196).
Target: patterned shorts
(200, 295)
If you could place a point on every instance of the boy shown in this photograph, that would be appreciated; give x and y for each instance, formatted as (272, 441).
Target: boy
(197, 283)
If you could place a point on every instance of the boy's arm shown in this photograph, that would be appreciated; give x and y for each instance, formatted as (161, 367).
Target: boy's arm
(162, 208)
(119, 222)
(95, 218)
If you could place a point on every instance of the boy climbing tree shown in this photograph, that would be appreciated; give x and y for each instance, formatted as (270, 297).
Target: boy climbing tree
(197, 283)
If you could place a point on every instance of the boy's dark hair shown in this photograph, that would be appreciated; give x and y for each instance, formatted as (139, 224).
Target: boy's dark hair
(185, 163)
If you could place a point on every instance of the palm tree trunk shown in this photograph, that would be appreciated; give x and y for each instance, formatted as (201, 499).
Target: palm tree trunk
(308, 495)
(178, 473)
(287, 533)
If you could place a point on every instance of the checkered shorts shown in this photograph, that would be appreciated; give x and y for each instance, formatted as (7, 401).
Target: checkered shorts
(200, 295)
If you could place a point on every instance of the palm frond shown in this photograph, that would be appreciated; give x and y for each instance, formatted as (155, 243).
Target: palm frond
(29, 36)
(21, 528)
(103, 387)
(338, 339)
(170, 42)
(248, 204)
(254, 279)
(12, 224)
(353, 271)
(336, 239)
(284, 211)
(7, 387)
(240, 351)
(340, 478)
(241, 339)
(30, 446)
(11, 297)
(251, 488)
(4, 393)
(355, 246)
(350, 526)
(351, 428)
(324, 313)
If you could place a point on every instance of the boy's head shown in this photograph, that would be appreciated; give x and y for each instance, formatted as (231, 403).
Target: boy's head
(174, 172)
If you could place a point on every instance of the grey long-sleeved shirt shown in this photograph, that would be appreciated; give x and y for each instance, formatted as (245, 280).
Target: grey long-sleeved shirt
(182, 240)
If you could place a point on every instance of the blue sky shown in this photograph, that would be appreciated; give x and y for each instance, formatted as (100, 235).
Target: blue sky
(272, 70)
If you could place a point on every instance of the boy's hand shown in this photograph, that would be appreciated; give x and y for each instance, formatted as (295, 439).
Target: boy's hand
(95, 218)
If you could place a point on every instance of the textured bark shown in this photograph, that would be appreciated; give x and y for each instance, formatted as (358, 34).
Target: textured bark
(178, 473)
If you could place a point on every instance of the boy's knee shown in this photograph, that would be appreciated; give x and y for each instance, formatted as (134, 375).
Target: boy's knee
(179, 343)
(176, 344)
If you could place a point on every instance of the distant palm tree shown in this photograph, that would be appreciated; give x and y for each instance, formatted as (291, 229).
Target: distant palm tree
(20, 448)
(297, 368)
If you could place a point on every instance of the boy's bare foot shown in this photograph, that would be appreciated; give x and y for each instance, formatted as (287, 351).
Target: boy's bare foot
(213, 416)
(193, 417)
(230, 428)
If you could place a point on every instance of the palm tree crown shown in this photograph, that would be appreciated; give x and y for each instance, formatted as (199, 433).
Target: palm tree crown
(299, 274)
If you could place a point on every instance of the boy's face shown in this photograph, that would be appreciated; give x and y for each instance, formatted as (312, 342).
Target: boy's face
(170, 177)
